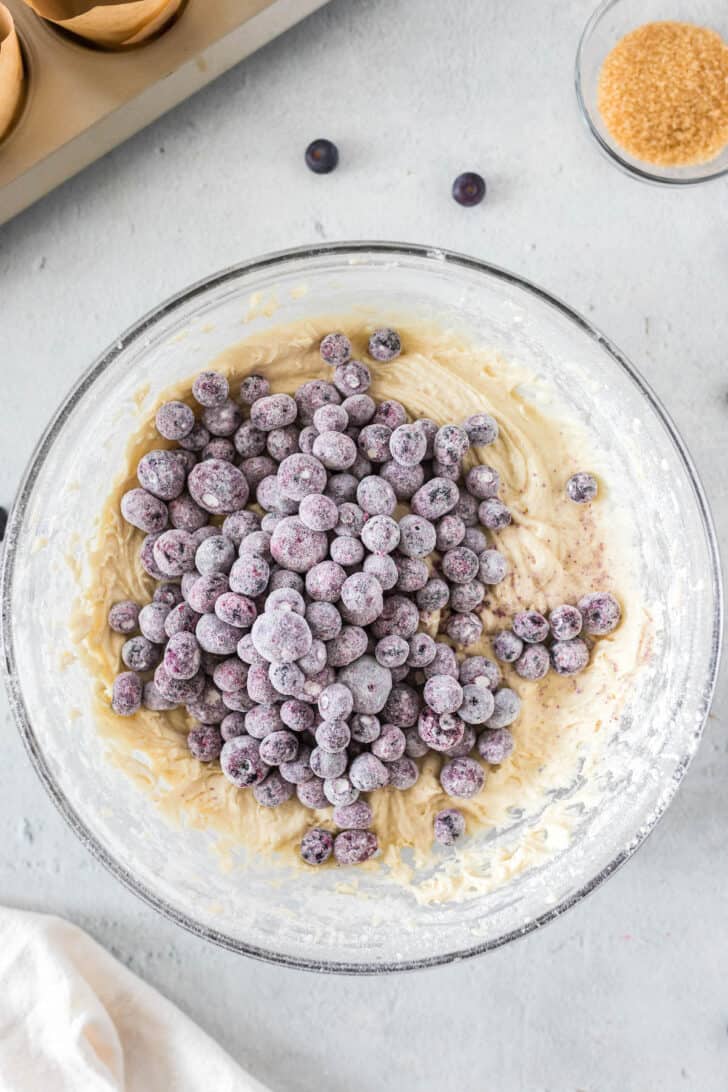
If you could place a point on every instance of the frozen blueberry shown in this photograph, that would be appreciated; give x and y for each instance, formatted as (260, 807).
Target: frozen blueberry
(390, 744)
(328, 764)
(462, 777)
(144, 511)
(464, 746)
(223, 419)
(215, 555)
(347, 647)
(281, 636)
(480, 671)
(287, 679)
(204, 593)
(464, 629)
(365, 728)
(230, 675)
(493, 567)
(390, 413)
(274, 791)
(282, 442)
(299, 769)
(347, 551)
(351, 519)
(324, 581)
(405, 480)
(335, 702)
(582, 488)
(174, 420)
(258, 543)
(494, 515)
(361, 598)
(433, 596)
(330, 418)
(533, 663)
(507, 708)
(250, 574)
(253, 388)
(259, 686)
(482, 481)
(300, 475)
(417, 536)
(219, 448)
(182, 656)
(317, 845)
(196, 440)
(408, 444)
(443, 693)
(181, 619)
(565, 622)
(324, 620)
(312, 664)
(205, 742)
(601, 613)
(237, 610)
(450, 444)
(422, 650)
(381, 534)
(460, 565)
(336, 450)
(399, 615)
(384, 345)
(232, 726)
(249, 440)
(360, 408)
(495, 745)
(210, 389)
(174, 552)
(124, 617)
(382, 566)
(467, 597)
(375, 496)
(440, 731)
(412, 573)
(402, 706)
(208, 707)
(178, 690)
(238, 700)
(373, 442)
(217, 636)
(369, 683)
(468, 189)
(311, 794)
(392, 651)
(355, 846)
(450, 532)
(263, 719)
(162, 473)
(153, 699)
(475, 540)
(569, 657)
(368, 773)
(311, 395)
(217, 486)
(450, 471)
(185, 515)
(241, 763)
(530, 626)
(284, 579)
(286, 597)
(435, 498)
(126, 694)
(277, 747)
(294, 546)
(273, 411)
(356, 815)
(341, 488)
(481, 428)
(333, 736)
(507, 646)
(449, 826)
(335, 349)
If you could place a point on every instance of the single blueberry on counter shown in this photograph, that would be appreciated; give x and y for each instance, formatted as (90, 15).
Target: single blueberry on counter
(322, 156)
(468, 189)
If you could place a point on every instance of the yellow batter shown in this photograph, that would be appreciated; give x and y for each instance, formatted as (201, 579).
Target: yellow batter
(557, 550)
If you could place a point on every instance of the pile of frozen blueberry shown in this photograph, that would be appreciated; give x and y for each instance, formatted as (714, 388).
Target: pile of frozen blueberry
(295, 632)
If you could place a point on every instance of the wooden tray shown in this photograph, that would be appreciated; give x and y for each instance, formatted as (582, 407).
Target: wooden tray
(82, 101)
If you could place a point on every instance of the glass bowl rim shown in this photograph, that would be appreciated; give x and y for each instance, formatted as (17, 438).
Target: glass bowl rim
(609, 150)
(44, 447)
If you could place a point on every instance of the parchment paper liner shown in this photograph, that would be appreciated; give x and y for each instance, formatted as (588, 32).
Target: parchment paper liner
(12, 76)
(107, 22)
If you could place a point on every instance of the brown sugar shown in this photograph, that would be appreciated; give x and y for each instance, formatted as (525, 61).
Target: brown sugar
(663, 93)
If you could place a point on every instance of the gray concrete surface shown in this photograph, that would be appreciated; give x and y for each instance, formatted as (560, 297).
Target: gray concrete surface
(628, 992)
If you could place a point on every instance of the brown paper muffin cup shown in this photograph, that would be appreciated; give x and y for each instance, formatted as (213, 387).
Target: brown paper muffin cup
(12, 77)
(108, 23)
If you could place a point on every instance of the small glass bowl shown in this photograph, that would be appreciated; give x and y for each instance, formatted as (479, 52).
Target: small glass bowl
(609, 23)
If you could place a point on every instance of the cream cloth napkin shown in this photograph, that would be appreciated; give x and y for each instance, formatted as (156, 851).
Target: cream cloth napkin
(73, 1019)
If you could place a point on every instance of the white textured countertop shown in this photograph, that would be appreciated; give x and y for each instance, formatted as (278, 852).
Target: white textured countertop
(627, 992)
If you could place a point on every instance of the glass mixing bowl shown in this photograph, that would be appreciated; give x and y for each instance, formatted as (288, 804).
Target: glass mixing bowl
(303, 918)
(609, 23)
